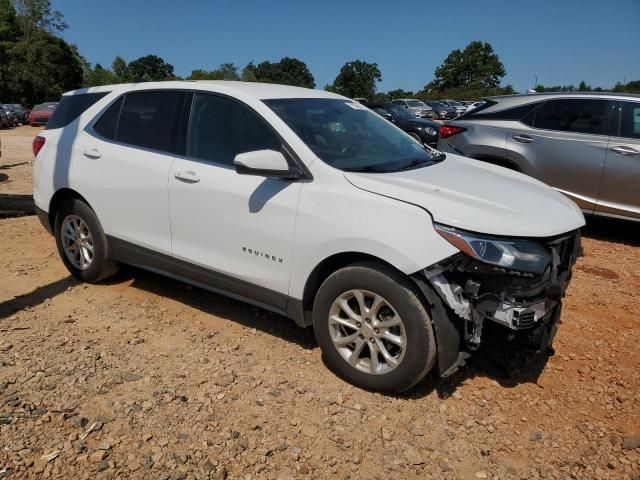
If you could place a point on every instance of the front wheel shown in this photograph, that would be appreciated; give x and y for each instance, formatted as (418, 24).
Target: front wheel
(373, 328)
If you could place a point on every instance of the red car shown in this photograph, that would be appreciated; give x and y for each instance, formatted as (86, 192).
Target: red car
(41, 114)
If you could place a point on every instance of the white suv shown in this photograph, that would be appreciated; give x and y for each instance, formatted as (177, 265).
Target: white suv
(308, 204)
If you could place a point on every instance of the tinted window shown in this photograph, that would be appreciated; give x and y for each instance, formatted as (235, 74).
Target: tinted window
(147, 119)
(630, 120)
(71, 107)
(514, 113)
(221, 128)
(570, 115)
(108, 122)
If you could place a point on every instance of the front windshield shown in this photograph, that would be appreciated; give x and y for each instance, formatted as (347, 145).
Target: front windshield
(350, 137)
(415, 103)
(453, 103)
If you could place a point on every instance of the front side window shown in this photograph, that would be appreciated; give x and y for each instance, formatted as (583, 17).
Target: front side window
(221, 128)
(147, 119)
(350, 137)
(630, 120)
(570, 115)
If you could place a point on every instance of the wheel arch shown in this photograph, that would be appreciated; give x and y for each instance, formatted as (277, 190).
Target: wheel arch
(325, 268)
(499, 161)
(58, 199)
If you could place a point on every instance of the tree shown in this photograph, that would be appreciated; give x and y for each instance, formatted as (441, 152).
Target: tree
(583, 87)
(477, 66)
(248, 73)
(120, 70)
(288, 71)
(399, 93)
(36, 64)
(150, 68)
(357, 79)
(226, 71)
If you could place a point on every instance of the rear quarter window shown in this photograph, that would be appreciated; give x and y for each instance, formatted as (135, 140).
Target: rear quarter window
(71, 107)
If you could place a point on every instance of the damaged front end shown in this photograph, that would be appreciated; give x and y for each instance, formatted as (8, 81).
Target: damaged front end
(513, 287)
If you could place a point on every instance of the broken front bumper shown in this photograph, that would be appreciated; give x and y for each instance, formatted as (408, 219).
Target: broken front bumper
(521, 305)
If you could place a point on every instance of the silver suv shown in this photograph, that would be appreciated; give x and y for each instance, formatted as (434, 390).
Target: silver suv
(586, 145)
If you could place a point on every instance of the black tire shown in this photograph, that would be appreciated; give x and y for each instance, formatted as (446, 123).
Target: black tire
(402, 294)
(416, 136)
(102, 265)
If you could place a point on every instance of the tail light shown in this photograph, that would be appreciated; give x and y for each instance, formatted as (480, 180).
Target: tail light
(37, 144)
(447, 131)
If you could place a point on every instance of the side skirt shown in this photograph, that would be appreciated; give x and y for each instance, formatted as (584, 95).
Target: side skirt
(147, 259)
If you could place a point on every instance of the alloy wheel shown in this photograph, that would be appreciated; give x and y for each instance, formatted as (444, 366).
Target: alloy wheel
(77, 242)
(367, 332)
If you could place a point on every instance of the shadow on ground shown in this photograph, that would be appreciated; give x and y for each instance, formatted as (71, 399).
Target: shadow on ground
(509, 364)
(612, 230)
(219, 305)
(35, 297)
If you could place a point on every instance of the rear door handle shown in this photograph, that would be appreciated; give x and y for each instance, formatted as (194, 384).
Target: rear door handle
(188, 176)
(92, 153)
(522, 138)
(625, 151)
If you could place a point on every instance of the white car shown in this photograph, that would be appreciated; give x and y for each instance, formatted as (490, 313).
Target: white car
(308, 204)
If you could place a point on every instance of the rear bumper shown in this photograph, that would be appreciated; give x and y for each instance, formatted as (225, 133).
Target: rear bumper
(44, 219)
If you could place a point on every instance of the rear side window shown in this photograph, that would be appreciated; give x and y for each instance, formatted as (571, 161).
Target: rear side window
(108, 123)
(71, 107)
(147, 119)
(630, 120)
(221, 128)
(570, 115)
(514, 113)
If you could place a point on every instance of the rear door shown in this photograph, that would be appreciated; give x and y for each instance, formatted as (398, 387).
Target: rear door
(620, 191)
(563, 143)
(126, 157)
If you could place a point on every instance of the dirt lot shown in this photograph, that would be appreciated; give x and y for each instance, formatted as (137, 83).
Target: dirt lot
(145, 377)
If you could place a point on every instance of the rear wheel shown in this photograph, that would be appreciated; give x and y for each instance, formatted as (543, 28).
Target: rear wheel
(81, 242)
(373, 328)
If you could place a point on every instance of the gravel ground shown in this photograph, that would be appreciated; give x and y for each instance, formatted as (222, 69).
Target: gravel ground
(145, 377)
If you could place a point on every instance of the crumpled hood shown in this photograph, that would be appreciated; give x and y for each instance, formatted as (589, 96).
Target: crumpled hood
(479, 197)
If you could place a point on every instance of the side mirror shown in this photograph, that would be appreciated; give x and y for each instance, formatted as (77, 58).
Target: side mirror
(264, 163)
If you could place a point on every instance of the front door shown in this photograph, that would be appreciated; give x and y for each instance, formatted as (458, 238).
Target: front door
(564, 144)
(620, 191)
(239, 226)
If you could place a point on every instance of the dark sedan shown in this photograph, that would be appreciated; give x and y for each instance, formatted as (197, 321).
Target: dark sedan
(443, 111)
(425, 131)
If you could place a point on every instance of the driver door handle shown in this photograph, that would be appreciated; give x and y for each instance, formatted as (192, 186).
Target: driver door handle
(188, 176)
(625, 150)
(521, 138)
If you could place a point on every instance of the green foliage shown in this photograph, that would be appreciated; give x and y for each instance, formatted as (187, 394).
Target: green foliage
(357, 79)
(475, 67)
(399, 93)
(226, 71)
(120, 70)
(629, 87)
(288, 71)
(150, 68)
(35, 64)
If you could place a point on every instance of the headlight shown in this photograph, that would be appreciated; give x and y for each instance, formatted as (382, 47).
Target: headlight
(431, 131)
(516, 254)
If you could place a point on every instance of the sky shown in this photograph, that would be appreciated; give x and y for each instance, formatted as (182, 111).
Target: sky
(560, 41)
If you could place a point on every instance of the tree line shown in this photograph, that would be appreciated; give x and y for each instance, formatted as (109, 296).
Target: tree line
(37, 65)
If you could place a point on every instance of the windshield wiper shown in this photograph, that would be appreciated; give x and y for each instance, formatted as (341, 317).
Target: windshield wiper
(366, 168)
(413, 163)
